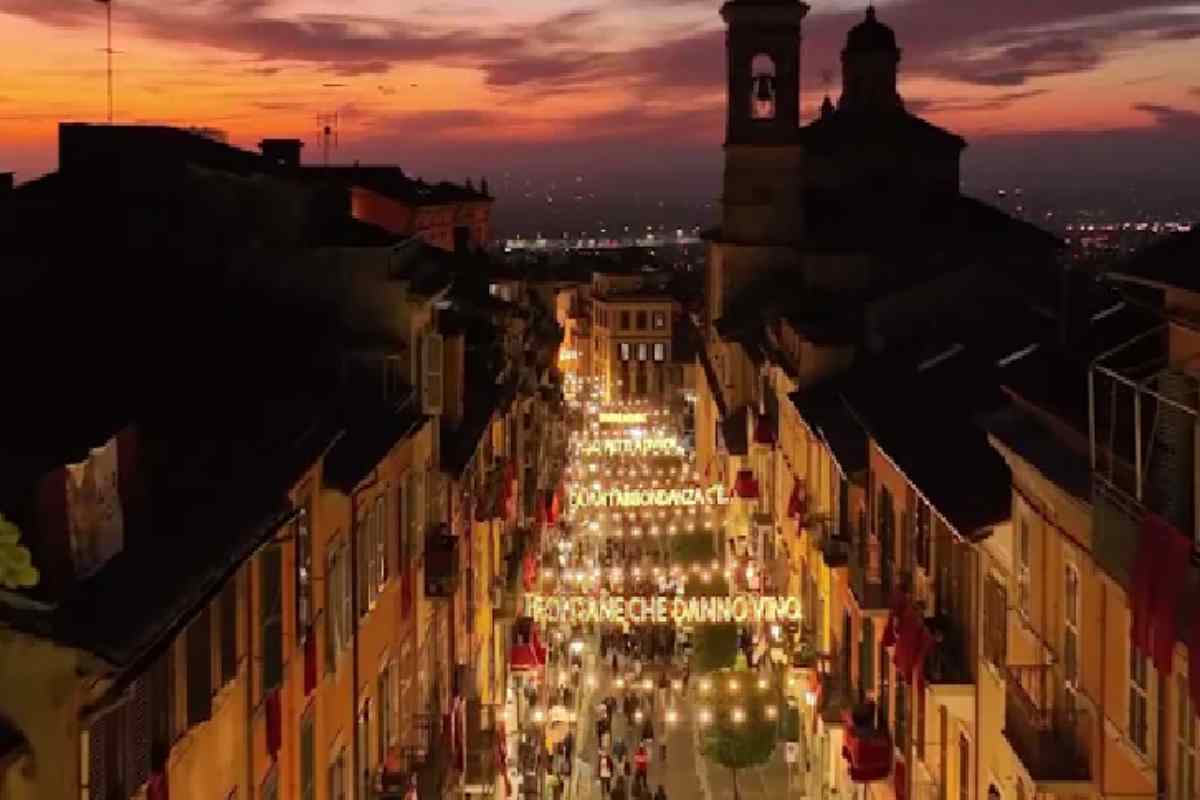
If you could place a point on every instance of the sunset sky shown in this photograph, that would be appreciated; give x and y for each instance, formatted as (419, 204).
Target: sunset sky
(635, 86)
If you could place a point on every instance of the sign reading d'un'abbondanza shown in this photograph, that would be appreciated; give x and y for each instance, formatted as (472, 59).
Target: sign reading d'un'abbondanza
(653, 498)
(662, 609)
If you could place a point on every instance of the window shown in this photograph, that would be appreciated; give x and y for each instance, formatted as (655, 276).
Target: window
(923, 533)
(625, 347)
(381, 540)
(1187, 786)
(642, 321)
(304, 587)
(625, 320)
(431, 373)
(270, 585)
(660, 320)
(337, 605)
(364, 741)
(199, 668)
(308, 759)
(416, 512)
(1024, 595)
(337, 776)
(643, 351)
(660, 351)
(227, 614)
(1139, 700)
(1071, 633)
(866, 658)
(641, 380)
(995, 623)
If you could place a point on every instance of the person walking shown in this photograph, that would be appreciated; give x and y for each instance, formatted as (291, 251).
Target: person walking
(604, 769)
(660, 793)
(641, 763)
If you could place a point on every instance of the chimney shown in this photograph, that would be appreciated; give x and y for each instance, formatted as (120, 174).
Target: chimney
(454, 378)
(282, 152)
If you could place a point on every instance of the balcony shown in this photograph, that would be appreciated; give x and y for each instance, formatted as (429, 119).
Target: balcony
(1144, 411)
(480, 774)
(835, 698)
(947, 669)
(835, 550)
(441, 563)
(1045, 736)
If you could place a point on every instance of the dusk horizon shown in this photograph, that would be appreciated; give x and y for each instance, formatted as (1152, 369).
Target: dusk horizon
(1101, 96)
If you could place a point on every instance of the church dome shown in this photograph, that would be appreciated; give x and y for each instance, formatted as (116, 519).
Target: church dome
(871, 35)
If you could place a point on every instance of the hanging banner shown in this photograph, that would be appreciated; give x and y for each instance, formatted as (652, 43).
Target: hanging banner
(619, 446)
(653, 498)
(662, 609)
(622, 418)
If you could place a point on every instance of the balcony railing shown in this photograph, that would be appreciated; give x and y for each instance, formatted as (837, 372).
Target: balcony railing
(1045, 735)
(946, 662)
(1144, 417)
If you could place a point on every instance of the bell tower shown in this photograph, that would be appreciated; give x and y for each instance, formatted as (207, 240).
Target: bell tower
(761, 204)
(763, 51)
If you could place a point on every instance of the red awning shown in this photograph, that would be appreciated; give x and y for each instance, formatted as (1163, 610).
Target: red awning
(868, 751)
(746, 485)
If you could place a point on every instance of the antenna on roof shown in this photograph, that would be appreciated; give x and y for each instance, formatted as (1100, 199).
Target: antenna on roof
(328, 131)
(108, 53)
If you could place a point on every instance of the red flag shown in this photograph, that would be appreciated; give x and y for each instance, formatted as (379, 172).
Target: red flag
(1150, 549)
(1176, 559)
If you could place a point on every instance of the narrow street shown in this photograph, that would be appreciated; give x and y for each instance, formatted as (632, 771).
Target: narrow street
(605, 549)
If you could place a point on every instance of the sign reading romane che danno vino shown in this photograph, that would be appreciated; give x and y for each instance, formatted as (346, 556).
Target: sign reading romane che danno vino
(662, 609)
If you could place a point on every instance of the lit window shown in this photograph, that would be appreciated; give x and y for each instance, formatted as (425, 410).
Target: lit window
(624, 351)
(643, 351)
(660, 320)
(660, 351)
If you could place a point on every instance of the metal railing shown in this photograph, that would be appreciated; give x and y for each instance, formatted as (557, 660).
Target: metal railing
(1144, 416)
(1045, 732)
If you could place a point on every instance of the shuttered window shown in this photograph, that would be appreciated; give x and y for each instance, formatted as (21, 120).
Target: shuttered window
(270, 584)
(227, 612)
(199, 669)
(995, 623)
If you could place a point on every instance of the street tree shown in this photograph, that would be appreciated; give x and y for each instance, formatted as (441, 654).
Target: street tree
(741, 733)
